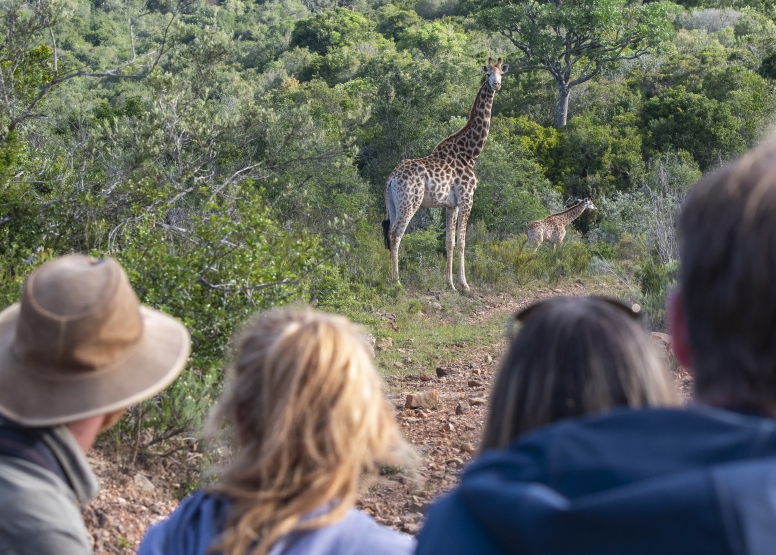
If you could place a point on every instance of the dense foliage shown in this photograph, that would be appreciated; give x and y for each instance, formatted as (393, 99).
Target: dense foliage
(233, 154)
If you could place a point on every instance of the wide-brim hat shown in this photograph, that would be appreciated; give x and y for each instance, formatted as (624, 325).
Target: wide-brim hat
(80, 344)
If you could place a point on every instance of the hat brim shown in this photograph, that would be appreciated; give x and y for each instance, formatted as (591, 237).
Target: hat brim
(39, 396)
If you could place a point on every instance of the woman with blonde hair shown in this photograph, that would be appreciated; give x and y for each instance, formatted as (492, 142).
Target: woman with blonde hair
(309, 420)
(572, 358)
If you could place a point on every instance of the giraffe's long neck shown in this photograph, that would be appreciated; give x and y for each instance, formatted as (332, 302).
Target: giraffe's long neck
(568, 216)
(470, 140)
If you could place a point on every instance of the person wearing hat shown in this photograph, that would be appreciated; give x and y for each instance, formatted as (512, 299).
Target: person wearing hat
(74, 353)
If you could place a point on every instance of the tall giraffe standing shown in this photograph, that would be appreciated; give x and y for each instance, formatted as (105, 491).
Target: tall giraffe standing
(553, 228)
(445, 178)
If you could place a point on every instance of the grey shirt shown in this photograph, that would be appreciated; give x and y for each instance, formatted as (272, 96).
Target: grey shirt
(39, 513)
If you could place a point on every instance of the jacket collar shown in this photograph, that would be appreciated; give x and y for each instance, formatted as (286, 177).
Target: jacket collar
(71, 459)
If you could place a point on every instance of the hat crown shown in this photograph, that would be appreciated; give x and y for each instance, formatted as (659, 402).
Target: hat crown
(77, 313)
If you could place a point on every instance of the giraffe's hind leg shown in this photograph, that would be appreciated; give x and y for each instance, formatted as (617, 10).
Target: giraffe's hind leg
(406, 206)
(535, 237)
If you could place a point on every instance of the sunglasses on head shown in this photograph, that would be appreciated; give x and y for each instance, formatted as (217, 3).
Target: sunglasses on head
(633, 311)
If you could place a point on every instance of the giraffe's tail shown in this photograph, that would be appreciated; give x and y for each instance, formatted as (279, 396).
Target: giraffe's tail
(390, 207)
(387, 232)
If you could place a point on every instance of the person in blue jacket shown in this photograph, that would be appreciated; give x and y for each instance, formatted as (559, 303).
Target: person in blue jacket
(700, 480)
(309, 419)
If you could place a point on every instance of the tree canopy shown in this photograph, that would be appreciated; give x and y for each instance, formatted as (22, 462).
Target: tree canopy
(575, 40)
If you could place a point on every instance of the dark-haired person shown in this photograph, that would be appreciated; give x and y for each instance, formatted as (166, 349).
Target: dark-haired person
(574, 356)
(74, 353)
(700, 480)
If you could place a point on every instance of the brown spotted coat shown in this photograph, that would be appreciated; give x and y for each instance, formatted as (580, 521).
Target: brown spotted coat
(553, 228)
(445, 179)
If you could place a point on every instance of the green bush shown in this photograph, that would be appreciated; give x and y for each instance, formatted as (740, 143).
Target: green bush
(655, 282)
(501, 263)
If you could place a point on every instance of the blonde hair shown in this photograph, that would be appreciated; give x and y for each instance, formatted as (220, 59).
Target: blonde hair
(574, 356)
(311, 419)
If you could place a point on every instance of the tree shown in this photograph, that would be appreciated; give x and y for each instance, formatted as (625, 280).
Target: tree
(30, 67)
(331, 29)
(574, 40)
(703, 126)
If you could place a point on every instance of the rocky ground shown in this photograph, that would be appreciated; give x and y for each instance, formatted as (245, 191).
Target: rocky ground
(441, 413)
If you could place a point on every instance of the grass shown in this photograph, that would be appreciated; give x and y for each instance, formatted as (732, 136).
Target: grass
(429, 330)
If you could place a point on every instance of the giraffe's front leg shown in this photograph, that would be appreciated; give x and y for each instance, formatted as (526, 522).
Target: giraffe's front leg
(452, 217)
(463, 219)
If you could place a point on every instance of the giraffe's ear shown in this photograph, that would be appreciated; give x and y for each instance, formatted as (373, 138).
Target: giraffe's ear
(504, 68)
(484, 69)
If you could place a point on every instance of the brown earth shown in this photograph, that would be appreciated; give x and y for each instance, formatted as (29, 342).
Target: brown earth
(445, 434)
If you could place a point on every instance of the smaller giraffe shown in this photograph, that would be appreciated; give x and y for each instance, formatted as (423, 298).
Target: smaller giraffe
(553, 228)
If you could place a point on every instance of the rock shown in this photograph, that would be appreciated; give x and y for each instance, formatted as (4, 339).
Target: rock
(475, 383)
(462, 408)
(455, 461)
(426, 399)
(398, 364)
(422, 414)
(477, 401)
(411, 527)
(662, 339)
(448, 427)
(557, 291)
(103, 519)
(467, 448)
(370, 341)
(425, 378)
(488, 359)
(418, 505)
(408, 360)
(442, 372)
(385, 344)
(143, 482)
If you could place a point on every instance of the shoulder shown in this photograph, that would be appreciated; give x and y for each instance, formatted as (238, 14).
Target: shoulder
(746, 495)
(355, 534)
(452, 529)
(36, 507)
(197, 521)
(375, 538)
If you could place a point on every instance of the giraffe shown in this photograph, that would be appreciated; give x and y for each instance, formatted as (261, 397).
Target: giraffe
(445, 178)
(553, 228)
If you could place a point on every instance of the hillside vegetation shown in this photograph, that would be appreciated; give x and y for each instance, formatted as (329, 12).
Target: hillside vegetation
(232, 155)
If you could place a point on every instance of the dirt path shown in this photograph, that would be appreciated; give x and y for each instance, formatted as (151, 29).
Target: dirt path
(446, 436)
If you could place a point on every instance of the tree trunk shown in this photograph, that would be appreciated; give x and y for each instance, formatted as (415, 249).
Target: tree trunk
(563, 107)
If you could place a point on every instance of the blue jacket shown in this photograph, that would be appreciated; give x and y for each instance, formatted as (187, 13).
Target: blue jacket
(195, 524)
(683, 482)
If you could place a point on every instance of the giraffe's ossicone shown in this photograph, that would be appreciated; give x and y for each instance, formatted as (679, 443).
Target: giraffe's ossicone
(444, 179)
(552, 229)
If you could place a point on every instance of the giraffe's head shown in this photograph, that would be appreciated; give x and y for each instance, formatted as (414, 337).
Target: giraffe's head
(495, 71)
(589, 204)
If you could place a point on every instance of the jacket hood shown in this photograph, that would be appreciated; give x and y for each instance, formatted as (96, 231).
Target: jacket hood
(629, 481)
